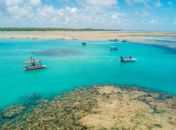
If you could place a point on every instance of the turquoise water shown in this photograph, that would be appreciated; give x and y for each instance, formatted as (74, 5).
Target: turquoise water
(76, 66)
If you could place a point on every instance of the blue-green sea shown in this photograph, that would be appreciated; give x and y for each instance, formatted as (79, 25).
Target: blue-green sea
(71, 65)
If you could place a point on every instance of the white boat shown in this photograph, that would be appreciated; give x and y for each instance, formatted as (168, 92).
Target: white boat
(128, 59)
(33, 64)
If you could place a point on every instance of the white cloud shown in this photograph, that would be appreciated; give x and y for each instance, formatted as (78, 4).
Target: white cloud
(101, 2)
(34, 13)
(142, 13)
(12, 2)
(146, 3)
(158, 4)
(18, 8)
(131, 2)
(153, 21)
(46, 11)
(146, 13)
(35, 2)
(175, 20)
(116, 19)
(88, 13)
(72, 9)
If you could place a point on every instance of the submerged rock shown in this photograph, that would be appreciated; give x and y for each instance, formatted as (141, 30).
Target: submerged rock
(164, 97)
(58, 52)
(13, 111)
(34, 96)
(173, 106)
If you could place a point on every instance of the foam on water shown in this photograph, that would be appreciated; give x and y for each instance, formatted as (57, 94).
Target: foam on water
(95, 64)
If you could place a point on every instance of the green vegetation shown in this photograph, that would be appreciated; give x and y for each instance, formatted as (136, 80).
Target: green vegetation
(55, 29)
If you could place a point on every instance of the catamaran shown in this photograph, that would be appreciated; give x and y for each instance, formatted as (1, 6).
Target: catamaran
(33, 64)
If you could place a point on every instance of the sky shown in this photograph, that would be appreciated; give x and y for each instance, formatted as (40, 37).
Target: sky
(159, 15)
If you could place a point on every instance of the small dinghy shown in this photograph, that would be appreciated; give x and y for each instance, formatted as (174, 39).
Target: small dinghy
(127, 60)
(113, 48)
(124, 40)
(33, 64)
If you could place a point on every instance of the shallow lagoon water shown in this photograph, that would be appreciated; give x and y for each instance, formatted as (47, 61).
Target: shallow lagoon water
(93, 65)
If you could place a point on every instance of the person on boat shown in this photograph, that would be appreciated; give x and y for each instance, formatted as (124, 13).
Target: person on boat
(30, 59)
(33, 62)
(130, 57)
(121, 58)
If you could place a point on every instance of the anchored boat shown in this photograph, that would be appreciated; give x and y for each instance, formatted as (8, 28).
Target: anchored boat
(84, 43)
(33, 64)
(114, 40)
(128, 59)
(124, 40)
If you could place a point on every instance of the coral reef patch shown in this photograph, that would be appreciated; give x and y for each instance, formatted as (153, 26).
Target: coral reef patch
(58, 52)
(95, 108)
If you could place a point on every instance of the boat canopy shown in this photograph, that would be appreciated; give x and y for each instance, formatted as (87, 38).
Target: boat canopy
(31, 61)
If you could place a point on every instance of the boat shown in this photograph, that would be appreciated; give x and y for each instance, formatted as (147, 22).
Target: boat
(114, 40)
(33, 64)
(127, 60)
(124, 40)
(84, 43)
(113, 48)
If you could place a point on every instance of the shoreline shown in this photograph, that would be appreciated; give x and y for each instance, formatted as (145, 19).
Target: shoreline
(131, 36)
(85, 35)
(94, 108)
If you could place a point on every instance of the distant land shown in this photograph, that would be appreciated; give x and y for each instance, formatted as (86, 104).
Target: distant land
(55, 29)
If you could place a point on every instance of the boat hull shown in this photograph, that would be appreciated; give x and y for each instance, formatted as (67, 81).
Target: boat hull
(34, 68)
(128, 60)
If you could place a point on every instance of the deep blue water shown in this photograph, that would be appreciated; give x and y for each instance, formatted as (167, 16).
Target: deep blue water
(70, 65)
